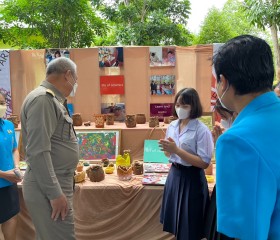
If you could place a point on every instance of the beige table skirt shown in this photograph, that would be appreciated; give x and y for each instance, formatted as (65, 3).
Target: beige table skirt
(110, 209)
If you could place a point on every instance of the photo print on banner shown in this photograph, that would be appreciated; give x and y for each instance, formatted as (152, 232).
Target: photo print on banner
(110, 56)
(162, 56)
(53, 53)
(5, 81)
(162, 84)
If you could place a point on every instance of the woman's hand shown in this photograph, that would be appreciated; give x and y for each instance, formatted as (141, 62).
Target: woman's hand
(216, 132)
(168, 145)
(10, 176)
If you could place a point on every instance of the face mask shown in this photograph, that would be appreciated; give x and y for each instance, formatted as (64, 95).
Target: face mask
(182, 113)
(220, 98)
(73, 92)
(226, 123)
(74, 88)
(3, 109)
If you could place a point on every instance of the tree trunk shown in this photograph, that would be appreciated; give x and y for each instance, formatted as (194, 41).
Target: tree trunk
(274, 36)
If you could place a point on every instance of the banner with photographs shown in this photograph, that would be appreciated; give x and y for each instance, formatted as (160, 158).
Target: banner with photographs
(162, 56)
(5, 80)
(110, 56)
(118, 109)
(54, 53)
(162, 84)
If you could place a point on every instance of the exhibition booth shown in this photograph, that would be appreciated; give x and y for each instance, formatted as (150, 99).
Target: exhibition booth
(114, 209)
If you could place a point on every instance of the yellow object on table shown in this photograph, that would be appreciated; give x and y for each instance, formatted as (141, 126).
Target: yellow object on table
(210, 178)
(123, 160)
(109, 170)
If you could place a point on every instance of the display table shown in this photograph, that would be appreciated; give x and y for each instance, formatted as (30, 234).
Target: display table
(110, 209)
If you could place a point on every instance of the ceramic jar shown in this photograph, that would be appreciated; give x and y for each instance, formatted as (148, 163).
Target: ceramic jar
(99, 120)
(77, 119)
(95, 173)
(140, 118)
(137, 168)
(153, 122)
(130, 121)
(110, 118)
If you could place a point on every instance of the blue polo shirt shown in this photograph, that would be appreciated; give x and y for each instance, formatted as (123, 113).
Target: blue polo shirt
(248, 172)
(7, 145)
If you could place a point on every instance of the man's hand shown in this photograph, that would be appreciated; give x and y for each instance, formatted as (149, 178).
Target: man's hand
(59, 207)
(10, 176)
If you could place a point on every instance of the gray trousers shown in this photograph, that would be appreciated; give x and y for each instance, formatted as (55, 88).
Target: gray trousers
(40, 210)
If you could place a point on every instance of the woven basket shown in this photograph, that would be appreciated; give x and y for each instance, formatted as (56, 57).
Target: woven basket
(95, 173)
(79, 177)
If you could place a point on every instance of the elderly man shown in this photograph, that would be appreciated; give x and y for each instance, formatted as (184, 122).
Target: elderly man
(247, 154)
(51, 152)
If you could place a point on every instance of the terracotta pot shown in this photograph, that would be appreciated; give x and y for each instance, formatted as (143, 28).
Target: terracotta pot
(77, 119)
(110, 118)
(99, 120)
(137, 168)
(153, 122)
(130, 121)
(166, 120)
(14, 119)
(140, 118)
(95, 173)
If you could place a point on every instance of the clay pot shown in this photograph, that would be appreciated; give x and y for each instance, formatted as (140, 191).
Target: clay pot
(137, 168)
(77, 119)
(99, 120)
(95, 173)
(130, 121)
(110, 118)
(14, 119)
(140, 118)
(153, 122)
(166, 120)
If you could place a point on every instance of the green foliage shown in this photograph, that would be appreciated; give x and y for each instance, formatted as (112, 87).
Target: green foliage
(147, 22)
(51, 23)
(263, 13)
(221, 25)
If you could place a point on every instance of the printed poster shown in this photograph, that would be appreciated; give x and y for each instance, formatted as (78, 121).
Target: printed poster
(162, 84)
(161, 110)
(54, 53)
(152, 152)
(5, 80)
(110, 56)
(112, 85)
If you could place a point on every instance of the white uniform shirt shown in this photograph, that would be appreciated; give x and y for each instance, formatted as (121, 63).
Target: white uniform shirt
(195, 138)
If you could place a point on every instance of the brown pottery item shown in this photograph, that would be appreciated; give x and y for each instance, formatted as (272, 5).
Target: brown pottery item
(166, 120)
(154, 122)
(14, 119)
(95, 173)
(130, 121)
(77, 119)
(140, 118)
(99, 120)
(137, 168)
(110, 118)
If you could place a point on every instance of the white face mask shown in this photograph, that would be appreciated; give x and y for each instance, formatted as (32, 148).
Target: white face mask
(226, 123)
(182, 113)
(220, 98)
(73, 92)
(3, 109)
(74, 88)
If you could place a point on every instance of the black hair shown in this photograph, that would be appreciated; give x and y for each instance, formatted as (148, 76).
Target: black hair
(191, 97)
(57, 52)
(246, 62)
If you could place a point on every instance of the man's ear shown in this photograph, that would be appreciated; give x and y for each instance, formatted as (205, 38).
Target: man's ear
(224, 82)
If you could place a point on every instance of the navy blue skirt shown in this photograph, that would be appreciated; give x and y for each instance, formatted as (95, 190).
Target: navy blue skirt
(184, 202)
(9, 202)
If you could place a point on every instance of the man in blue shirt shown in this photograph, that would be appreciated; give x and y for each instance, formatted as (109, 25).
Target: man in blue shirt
(247, 155)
